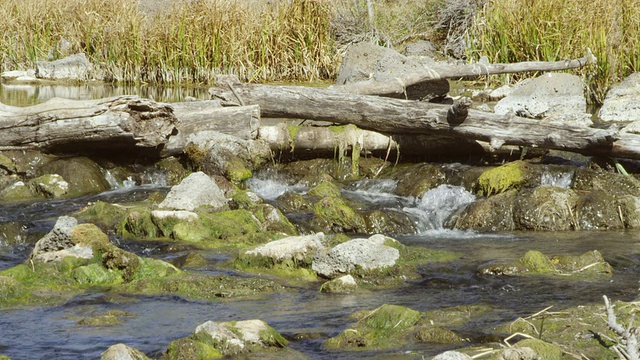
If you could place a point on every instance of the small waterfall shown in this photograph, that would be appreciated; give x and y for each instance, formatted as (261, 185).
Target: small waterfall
(561, 179)
(378, 192)
(437, 205)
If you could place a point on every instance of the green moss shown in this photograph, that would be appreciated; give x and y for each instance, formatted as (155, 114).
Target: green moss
(242, 199)
(501, 179)
(338, 215)
(437, 335)
(536, 262)
(190, 348)
(16, 192)
(293, 134)
(103, 214)
(325, 189)
(153, 268)
(544, 349)
(12, 292)
(138, 224)
(229, 225)
(235, 169)
(203, 287)
(456, 315)
(289, 270)
(383, 328)
(96, 274)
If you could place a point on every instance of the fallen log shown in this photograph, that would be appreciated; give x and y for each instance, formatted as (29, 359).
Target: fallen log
(398, 85)
(393, 116)
(242, 122)
(112, 123)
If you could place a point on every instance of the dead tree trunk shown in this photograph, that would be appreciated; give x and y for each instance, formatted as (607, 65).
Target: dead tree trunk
(117, 122)
(399, 85)
(392, 116)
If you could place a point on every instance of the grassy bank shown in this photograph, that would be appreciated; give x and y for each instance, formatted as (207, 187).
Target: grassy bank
(549, 30)
(190, 41)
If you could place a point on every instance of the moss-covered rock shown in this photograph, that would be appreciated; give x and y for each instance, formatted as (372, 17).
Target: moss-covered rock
(333, 214)
(543, 349)
(491, 214)
(292, 202)
(122, 351)
(83, 175)
(103, 214)
(386, 327)
(213, 340)
(416, 179)
(599, 210)
(343, 285)
(325, 189)
(388, 221)
(502, 178)
(534, 262)
(17, 191)
(49, 186)
(545, 208)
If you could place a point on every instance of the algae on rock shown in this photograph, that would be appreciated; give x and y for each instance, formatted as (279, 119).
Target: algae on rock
(502, 178)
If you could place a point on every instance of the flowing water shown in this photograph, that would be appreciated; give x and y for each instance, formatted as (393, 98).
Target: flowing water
(305, 315)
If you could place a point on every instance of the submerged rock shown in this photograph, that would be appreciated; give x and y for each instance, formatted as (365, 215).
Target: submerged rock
(534, 262)
(390, 327)
(214, 340)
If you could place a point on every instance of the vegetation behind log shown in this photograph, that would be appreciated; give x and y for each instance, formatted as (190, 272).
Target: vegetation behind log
(549, 30)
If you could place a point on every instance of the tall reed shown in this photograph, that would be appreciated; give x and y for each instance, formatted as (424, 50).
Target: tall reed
(190, 42)
(550, 30)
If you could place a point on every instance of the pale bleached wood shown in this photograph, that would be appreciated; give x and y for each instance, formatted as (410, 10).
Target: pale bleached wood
(393, 116)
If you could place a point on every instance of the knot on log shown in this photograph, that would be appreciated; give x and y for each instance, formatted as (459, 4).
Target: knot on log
(459, 111)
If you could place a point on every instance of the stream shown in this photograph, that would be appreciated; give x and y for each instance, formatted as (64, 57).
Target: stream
(304, 315)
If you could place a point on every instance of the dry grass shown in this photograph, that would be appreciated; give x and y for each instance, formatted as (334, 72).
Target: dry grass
(190, 42)
(549, 30)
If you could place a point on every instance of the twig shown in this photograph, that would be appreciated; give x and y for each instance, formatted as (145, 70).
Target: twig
(628, 335)
(235, 93)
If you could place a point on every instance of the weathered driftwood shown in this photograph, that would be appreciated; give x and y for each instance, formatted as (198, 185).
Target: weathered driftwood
(399, 85)
(197, 116)
(392, 116)
(117, 122)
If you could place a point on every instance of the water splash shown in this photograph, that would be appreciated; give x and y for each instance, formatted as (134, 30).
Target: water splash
(561, 179)
(437, 205)
(270, 189)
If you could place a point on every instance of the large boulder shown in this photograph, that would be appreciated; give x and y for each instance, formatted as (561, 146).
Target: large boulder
(622, 103)
(195, 191)
(355, 255)
(74, 67)
(365, 61)
(557, 95)
(82, 174)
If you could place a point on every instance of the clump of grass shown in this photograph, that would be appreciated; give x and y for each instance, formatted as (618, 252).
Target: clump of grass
(190, 42)
(391, 23)
(548, 30)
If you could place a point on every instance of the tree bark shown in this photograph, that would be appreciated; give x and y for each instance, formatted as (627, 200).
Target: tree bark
(399, 85)
(197, 116)
(117, 122)
(392, 116)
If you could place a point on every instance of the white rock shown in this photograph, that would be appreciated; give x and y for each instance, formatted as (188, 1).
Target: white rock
(293, 247)
(196, 190)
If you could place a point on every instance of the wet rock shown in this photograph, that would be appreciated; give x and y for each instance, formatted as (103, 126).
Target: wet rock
(343, 285)
(313, 172)
(273, 220)
(291, 201)
(23, 162)
(534, 262)
(212, 340)
(333, 214)
(190, 260)
(557, 95)
(387, 327)
(57, 243)
(415, 180)
(494, 213)
(361, 254)
(230, 156)
(245, 199)
(622, 103)
(74, 67)
(437, 335)
(289, 258)
(195, 191)
(597, 210)
(105, 215)
(83, 175)
(617, 185)
(325, 189)
(16, 192)
(545, 208)
(173, 170)
(51, 186)
(122, 352)
(388, 222)
(365, 61)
